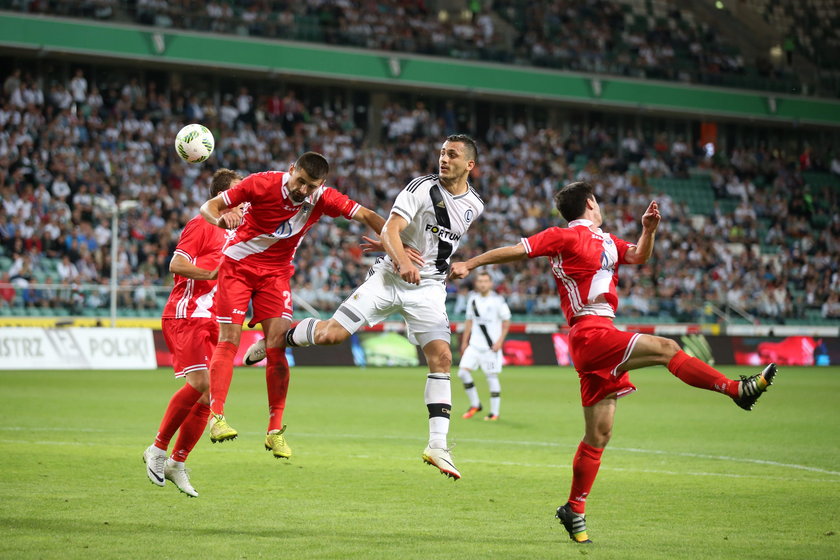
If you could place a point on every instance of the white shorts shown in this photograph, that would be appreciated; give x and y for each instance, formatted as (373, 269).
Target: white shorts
(384, 293)
(487, 360)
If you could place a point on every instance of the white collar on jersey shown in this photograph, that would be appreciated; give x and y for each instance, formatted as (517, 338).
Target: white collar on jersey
(285, 191)
(585, 223)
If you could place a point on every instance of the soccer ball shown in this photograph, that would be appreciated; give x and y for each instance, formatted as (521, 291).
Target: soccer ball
(194, 143)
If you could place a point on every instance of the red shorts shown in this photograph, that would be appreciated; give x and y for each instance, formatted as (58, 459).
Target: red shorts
(191, 342)
(598, 349)
(240, 283)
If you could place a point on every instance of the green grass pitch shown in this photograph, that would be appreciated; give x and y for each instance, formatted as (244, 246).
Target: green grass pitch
(687, 474)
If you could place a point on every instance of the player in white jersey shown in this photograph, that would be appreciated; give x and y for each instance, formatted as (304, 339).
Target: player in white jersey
(431, 214)
(487, 325)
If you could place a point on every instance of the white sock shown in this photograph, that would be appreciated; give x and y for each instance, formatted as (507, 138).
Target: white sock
(304, 333)
(495, 393)
(438, 397)
(469, 387)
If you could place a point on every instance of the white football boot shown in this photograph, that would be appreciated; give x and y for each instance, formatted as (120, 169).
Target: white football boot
(154, 459)
(442, 459)
(255, 353)
(177, 473)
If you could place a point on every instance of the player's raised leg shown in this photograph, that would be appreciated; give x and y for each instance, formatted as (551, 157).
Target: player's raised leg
(655, 350)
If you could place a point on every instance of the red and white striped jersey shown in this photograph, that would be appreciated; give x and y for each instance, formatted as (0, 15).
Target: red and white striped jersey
(201, 244)
(274, 225)
(585, 265)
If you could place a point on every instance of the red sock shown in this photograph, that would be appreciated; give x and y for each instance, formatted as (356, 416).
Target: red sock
(179, 406)
(698, 373)
(277, 383)
(191, 430)
(221, 372)
(584, 470)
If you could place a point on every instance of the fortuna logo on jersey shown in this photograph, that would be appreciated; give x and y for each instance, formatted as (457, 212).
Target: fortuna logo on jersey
(442, 232)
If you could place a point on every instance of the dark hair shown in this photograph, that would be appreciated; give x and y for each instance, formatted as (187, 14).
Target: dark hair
(315, 165)
(483, 273)
(571, 199)
(222, 179)
(472, 150)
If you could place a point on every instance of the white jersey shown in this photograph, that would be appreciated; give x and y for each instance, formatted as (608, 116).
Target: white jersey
(487, 314)
(437, 221)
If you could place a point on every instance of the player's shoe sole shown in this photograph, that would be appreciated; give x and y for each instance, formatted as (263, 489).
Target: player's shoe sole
(154, 465)
(574, 524)
(754, 386)
(442, 460)
(491, 417)
(275, 442)
(472, 411)
(255, 353)
(220, 430)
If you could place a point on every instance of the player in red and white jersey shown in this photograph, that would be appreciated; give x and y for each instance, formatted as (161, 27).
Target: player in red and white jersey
(191, 332)
(257, 268)
(585, 263)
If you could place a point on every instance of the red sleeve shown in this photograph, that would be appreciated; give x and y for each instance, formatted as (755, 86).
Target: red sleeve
(246, 190)
(338, 204)
(548, 242)
(621, 246)
(192, 239)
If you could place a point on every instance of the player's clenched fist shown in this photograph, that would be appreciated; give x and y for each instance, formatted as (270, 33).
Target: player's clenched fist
(458, 270)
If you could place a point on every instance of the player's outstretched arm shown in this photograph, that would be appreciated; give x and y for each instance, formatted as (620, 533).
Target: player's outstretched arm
(507, 254)
(182, 267)
(641, 253)
(370, 218)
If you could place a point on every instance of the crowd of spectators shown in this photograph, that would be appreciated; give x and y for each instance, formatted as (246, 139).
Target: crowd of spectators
(70, 151)
(600, 36)
(597, 37)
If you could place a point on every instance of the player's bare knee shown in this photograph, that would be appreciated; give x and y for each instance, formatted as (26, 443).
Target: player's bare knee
(230, 333)
(330, 332)
(200, 383)
(440, 361)
(598, 439)
(669, 349)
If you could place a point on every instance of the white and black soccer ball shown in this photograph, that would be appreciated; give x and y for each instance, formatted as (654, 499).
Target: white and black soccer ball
(194, 143)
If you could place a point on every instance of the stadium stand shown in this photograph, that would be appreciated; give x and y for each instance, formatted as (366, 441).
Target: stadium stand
(652, 39)
(810, 27)
(751, 233)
